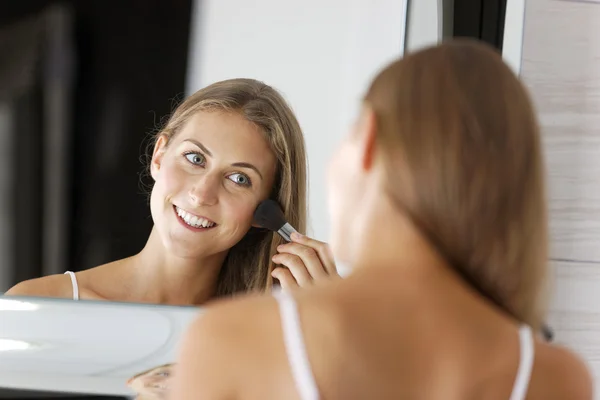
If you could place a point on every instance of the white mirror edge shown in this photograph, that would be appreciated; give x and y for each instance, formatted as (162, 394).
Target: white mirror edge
(514, 27)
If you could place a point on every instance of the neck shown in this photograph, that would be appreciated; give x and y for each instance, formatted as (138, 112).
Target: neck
(391, 241)
(402, 261)
(164, 278)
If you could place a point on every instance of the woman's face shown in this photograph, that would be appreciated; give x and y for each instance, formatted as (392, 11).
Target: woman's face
(152, 384)
(209, 179)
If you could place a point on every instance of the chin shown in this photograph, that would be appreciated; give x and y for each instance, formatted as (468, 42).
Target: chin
(206, 246)
(188, 250)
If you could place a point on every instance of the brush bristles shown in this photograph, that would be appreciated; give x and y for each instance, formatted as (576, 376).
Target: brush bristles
(269, 215)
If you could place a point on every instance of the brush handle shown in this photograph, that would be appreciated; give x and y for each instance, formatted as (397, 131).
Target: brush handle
(285, 232)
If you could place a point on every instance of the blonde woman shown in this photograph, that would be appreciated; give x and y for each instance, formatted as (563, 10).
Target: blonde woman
(437, 201)
(224, 150)
(152, 384)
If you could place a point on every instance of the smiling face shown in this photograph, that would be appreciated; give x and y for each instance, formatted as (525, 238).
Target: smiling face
(152, 384)
(209, 179)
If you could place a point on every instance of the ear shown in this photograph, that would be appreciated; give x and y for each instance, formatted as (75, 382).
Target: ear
(157, 155)
(367, 134)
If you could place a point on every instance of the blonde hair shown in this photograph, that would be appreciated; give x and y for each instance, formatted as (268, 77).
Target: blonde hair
(248, 264)
(460, 142)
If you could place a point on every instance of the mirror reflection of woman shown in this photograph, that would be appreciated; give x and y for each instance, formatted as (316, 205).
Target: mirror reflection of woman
(152, 384)
(225, 148)
(437, 200)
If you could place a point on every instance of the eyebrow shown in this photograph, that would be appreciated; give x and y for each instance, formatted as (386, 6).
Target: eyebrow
(238, 164)
(200, 145)
(249, 166)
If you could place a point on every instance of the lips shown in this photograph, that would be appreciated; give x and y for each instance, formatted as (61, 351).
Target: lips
(193, 221)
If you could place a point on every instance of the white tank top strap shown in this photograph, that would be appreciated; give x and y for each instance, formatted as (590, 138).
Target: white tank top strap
(74, 284)
(295, 348)
(527, 350)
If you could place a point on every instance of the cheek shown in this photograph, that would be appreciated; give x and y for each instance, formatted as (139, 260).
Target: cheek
(138, 384)
(240, 211)
(170, 181)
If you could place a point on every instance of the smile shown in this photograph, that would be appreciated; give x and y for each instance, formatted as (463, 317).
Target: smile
(193, 221)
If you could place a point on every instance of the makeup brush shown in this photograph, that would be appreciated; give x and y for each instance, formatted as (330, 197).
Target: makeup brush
(269, 215)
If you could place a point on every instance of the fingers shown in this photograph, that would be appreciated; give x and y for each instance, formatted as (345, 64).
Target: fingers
(305, 257)
(285, 278)
(322, 249)
(296, 266)
(306, 260)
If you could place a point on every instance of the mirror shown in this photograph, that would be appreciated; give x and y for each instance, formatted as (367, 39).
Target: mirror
(87, 347)
(91, 211)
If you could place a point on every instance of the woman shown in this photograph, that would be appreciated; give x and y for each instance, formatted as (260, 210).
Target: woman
(224, 150)
(437, 201)
(152, 384)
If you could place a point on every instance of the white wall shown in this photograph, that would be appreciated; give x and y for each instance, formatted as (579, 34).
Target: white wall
(554, 47)
(319, 54)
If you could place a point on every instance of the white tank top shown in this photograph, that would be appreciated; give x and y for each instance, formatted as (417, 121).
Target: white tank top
(74, 284)
(305, 380)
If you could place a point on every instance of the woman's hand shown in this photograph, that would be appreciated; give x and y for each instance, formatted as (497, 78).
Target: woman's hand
(304, 262)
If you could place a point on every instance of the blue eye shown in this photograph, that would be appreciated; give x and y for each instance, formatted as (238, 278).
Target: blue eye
(240, 179)
(195, 158)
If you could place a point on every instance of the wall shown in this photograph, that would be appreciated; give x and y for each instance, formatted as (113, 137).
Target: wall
(560, 63)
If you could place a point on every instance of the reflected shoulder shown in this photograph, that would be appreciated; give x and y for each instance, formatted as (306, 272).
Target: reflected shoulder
(58, 285)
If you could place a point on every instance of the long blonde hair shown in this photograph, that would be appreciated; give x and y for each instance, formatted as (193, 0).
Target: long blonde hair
(248, 264)
(458, 135)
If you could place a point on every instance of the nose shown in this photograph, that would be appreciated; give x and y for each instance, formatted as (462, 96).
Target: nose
(205, 191)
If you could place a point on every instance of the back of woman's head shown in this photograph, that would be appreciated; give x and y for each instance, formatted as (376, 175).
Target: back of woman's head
(461, 147)
(248, 264)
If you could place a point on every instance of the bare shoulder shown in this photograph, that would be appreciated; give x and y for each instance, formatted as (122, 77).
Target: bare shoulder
(60, 285)
(236, 349)
(224, 318)
(48, 286)
(569, 372)
(223, 346)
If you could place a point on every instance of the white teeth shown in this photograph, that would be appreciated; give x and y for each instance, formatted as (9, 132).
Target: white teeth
(193, 220)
